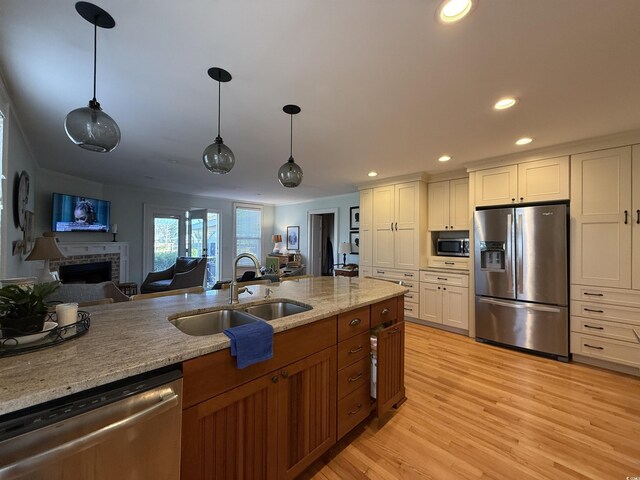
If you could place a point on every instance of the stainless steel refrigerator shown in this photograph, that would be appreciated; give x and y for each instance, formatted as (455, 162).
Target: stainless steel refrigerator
(521, 277)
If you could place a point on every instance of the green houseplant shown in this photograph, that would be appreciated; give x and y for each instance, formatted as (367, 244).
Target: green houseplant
(23, 308)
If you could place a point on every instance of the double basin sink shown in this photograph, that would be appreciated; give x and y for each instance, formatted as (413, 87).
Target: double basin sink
(210, 323)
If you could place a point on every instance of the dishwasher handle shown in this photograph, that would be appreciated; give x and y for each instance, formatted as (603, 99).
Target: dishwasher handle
(83, 442)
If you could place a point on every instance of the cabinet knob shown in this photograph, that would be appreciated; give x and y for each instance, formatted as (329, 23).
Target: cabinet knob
(384, 311)
(446, 227)
(444, 288)
(451, 227)
(355, 322)
(513, 199)
(438, 288)
(522, 199)
(274, 379)
(285, 374)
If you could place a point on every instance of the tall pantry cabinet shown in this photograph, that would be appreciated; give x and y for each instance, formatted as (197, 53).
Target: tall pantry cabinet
(605, 255)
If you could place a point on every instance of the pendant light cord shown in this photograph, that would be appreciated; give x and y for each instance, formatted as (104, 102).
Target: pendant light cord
(218, 107)
(291, 137)
(95, 54)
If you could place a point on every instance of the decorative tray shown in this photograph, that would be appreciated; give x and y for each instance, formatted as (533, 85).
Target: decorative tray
(51, 335)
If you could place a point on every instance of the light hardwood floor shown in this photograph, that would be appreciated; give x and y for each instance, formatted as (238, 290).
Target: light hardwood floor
(478, 411)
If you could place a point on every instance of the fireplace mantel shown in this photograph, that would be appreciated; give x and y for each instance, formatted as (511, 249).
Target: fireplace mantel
(86, 250)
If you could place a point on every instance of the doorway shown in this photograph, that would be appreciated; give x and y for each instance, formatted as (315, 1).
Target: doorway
(203, 240)
(323, 241)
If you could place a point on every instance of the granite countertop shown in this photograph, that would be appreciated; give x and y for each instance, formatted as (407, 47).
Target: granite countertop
(129, 338)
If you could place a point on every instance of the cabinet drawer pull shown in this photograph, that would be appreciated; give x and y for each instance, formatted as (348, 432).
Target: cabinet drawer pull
(408, 275)
(407, 295)
(396, 226)
(384, 311)
(593, 311)
(591, 346)
(355, 410)
(638, 217)
(443, 278)
(449, 263)
(355, 378)
(274, 379)
(355, 322)
(594, 328)
(626, 217)
(394, 331)
(381, 272)
(593, 294)
(355, 350)
(408, 309)
(285, 374)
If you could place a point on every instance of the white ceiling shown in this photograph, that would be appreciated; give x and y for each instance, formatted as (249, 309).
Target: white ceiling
(381, 84)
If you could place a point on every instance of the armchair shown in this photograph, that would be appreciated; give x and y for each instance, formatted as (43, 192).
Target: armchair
(186, 272)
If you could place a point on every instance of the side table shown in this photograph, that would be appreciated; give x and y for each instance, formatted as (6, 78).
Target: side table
(129, 288)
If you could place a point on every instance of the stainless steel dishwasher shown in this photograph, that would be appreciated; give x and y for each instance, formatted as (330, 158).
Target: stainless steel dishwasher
(126, 430)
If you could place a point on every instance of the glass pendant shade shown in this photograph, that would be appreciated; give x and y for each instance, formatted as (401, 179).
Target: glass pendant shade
(290, 174)
(92, 129)
(218, 158)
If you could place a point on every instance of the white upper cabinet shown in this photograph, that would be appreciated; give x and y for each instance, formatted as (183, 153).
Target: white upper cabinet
(448, 205)
(635, 253)
(601, 218)
(366, 226)
(538, 181)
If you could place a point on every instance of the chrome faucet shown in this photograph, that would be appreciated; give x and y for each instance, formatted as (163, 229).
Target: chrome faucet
(234, 291)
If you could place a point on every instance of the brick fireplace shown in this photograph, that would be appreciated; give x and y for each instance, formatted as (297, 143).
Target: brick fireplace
(89, 252)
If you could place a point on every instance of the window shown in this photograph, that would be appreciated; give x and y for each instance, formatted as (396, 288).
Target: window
(2, 187)
(166, 241)
(248, 231)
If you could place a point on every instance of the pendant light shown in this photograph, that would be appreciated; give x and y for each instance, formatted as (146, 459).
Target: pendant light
(290, 174)
(217, 157)
(89, 127)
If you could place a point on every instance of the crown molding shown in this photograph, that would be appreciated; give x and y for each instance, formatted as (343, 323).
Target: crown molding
(412, 177)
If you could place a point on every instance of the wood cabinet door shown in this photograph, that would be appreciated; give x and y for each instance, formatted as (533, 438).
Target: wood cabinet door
(383, 226)
(455, 307)
(390, 380)
(459, 204)
(496, 186)
(307, 401)
(635, 253)
(544, 180)
(438, 204)
(600, 238)
(233, 435)
(366, 225)
(406, 226)
(431, 302)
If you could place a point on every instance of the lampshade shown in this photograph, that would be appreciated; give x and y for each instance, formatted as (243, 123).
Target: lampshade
(45, 248)
(345, 247)
(276, 238)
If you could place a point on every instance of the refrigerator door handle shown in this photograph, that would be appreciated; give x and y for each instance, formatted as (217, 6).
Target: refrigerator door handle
(527, 306)
(509, 252)
(519, 254)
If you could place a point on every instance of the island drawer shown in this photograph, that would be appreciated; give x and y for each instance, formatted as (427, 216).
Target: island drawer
(353, 322)
(215, 373)
(385, 311)
(352, 409)
(353, 349)
(353, 377)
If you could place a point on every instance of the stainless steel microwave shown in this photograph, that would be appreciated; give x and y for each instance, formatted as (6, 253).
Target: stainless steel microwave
(453, 247)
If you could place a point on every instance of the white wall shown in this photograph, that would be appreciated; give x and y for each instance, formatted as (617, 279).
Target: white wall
(296, 215)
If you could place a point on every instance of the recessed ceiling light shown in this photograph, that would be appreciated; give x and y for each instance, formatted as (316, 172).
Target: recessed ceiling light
(451, 11)
(524, 141)
(444, 158)
(505, 103)
(372, 174)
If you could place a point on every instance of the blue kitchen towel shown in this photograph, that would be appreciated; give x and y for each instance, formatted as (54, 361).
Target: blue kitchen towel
(251, 343)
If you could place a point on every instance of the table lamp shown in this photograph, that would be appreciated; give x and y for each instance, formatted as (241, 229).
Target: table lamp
(45, 248)
(344, 248)
(276, 239)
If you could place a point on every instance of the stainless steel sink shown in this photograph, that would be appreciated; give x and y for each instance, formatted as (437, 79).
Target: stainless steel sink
(211, 323)
(277, 309)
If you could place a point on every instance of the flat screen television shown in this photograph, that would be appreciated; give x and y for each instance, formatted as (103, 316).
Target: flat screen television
(80, 214)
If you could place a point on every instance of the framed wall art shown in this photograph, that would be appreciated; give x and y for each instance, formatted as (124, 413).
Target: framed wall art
(354, 218)
(293, 238)
(354, 240)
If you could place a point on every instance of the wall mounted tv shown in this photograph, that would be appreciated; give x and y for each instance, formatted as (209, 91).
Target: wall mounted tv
(80, 214)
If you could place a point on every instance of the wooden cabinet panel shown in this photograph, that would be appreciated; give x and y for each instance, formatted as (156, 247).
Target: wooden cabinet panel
(390, 379)
(352, 409)
(407, 238)
(600, 239)
(431, 302)
(496, 186)
(306, 412)
(353, 377)
(455, 307)
(353, 323)
(459, 204)
(354, 349)
(544, 180)
(366, 227)
(385, 311)
(233, 435)
(383, 224)
(438, 204)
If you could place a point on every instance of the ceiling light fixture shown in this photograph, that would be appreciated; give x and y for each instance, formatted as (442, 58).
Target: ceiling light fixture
(524, 141)
(217, 157)
(505, 103)
(451, 11)
(444, 158)
(372, 174)
(89, 127)
(290, 174)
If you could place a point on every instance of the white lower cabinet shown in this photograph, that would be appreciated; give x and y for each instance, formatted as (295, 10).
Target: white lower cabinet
(410, 279)
(444, 299)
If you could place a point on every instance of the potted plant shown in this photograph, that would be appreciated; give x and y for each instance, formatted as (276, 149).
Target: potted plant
(23, 308)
